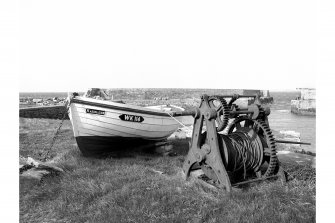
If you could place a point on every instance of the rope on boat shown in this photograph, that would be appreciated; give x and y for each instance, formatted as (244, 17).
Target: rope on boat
(179, 121)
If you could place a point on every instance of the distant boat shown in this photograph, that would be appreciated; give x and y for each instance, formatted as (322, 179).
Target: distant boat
(101, 126)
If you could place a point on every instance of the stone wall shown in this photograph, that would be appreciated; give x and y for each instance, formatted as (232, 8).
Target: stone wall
(51, 112)
(306, 104)
(303, 107)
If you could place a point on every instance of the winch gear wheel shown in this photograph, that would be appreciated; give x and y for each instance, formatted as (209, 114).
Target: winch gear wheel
(265, 133)
(223, 111)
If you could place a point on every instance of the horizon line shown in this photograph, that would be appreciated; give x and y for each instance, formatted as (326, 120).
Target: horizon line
(62, 91)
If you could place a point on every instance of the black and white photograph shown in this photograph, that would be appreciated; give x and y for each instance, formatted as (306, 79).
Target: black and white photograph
(167, 111)
(172, 155)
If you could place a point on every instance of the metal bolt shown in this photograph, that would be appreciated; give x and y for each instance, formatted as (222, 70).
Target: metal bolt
(206, 148)
(199, 157)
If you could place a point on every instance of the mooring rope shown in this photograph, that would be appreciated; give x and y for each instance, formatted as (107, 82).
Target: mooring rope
(178, 121)
(67, 106)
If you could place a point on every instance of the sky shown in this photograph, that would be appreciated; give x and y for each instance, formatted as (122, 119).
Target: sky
(75, 45)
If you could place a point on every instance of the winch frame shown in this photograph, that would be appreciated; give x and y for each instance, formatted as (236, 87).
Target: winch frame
(209, 152)
(205, 153)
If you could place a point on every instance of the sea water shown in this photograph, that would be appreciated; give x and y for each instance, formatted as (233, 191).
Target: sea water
(281, 118)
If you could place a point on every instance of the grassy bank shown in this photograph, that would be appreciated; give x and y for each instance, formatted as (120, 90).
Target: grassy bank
(128, 187)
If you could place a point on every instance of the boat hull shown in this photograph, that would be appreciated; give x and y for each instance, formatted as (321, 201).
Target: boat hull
(101, 145)
(104, 126)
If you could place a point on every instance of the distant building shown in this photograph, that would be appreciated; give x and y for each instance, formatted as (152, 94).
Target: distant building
(265, 97)
(306, 103)
(265, 93)
(307, 93)
(248, 92)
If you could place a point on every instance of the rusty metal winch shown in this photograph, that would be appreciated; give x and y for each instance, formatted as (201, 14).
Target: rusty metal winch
(245, 153)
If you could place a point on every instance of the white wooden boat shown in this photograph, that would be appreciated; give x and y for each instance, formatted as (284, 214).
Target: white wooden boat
(101, 126)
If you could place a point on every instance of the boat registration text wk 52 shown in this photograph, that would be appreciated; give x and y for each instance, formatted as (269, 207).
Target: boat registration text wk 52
(131, 118)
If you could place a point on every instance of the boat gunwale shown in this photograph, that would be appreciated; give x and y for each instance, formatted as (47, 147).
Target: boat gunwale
(120, 112)
(119, 106)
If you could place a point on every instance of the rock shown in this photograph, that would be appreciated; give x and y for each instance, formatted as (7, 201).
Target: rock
(32, 162)
(38, 172)
(182, 133)
(290, 134)
(32, 169)
(292, 157)
(23, 168)
(34, 174)
(26, 164)
(49, 167)
(22, 161)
